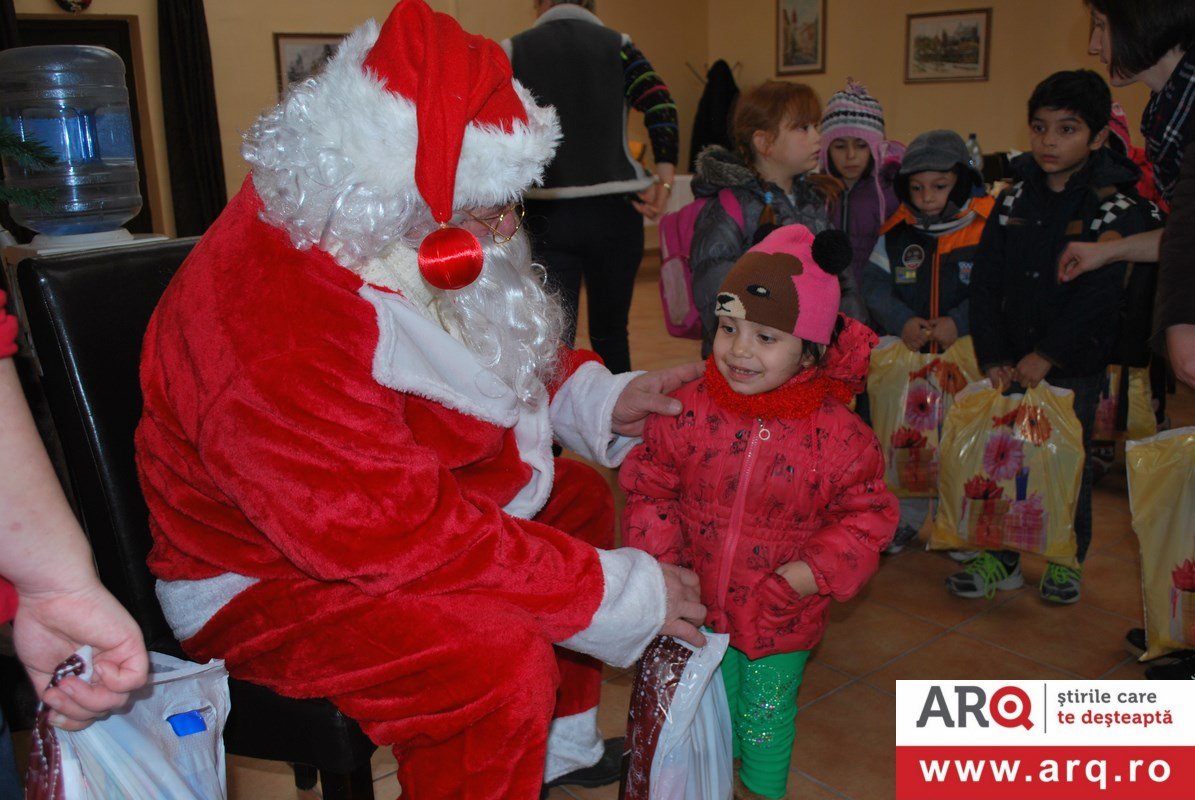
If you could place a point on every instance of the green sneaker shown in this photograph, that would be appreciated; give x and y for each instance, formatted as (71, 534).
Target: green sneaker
(1060, 584)
(983, 575)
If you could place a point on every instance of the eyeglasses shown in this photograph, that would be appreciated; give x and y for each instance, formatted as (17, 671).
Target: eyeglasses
(499, 224)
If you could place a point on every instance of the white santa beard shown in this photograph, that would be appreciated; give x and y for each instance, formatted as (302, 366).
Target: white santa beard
(506, 317)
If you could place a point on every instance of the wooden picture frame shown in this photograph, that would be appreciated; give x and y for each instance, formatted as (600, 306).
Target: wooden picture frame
(800, 37)
(948, 46)
(301, 55)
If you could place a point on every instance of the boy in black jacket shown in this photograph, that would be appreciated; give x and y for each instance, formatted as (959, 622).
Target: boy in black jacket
(1025, 324)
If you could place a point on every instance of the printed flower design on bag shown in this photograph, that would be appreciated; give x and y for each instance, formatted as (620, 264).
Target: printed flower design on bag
(912, 394)
(1002, 457)
(907, 437)
(914, 455)
(1025, 523)
(984, 508)
(1006, 420)
(923, 406)
(1182, 598)
(993, 518)
(1032, 424)
(950, 378)
(981, 488)
(1011, 473)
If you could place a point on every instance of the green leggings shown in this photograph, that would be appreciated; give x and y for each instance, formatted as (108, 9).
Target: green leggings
(762, 695)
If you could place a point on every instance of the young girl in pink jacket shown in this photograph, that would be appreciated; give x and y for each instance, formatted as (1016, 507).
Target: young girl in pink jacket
(767, 485)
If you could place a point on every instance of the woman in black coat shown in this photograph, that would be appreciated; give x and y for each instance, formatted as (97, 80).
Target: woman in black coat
(1151, 41)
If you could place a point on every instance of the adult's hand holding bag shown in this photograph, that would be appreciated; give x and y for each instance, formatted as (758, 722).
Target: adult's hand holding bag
(167, 744)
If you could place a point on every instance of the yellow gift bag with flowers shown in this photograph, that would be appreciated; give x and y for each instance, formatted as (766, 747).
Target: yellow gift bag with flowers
(910, 394)
(1162, 499)
(1125, 408)
(1010, 472)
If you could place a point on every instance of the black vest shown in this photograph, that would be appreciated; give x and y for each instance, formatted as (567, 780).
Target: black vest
(575, 65)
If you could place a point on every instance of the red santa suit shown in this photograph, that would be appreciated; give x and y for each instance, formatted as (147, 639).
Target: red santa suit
(347, 503)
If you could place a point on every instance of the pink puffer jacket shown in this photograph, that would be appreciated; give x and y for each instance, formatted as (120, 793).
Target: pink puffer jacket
(734, 495)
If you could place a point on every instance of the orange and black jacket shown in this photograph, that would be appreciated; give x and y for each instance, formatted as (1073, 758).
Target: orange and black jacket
(924, 271)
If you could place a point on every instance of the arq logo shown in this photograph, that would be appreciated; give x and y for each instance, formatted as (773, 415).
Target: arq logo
(1008, 707)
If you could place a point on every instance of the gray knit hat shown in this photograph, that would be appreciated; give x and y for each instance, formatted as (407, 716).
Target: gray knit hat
(937, 151)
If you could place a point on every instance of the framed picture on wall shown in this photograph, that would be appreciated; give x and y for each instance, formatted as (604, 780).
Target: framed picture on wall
(948, 46)
(800, 36)
(301, 55)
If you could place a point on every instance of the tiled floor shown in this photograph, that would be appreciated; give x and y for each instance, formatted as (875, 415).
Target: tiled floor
(903, 625)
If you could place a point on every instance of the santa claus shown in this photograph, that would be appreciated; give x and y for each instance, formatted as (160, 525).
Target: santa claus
(352, 388)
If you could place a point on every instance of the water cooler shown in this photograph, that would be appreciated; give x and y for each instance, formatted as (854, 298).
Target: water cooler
(73, 100)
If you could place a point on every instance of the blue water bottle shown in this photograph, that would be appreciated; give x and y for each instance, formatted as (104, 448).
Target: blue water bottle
(72, 99)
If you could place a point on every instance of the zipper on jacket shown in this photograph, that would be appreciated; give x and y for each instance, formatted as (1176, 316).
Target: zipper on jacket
(935, 274)
(760, 434)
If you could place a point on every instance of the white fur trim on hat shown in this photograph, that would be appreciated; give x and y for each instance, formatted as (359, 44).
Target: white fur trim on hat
(334, 162)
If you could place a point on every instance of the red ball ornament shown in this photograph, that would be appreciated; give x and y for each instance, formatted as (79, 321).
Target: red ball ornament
(450, 258)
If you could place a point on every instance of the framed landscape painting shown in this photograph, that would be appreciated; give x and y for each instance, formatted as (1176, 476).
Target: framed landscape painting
(948, 46)
(301, 55)
(800, 36)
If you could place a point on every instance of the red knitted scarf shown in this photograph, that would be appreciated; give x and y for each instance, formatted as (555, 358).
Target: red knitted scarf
(798, 398)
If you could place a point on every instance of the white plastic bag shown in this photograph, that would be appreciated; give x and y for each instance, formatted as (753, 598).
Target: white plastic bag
(678, 734)
(167, 744)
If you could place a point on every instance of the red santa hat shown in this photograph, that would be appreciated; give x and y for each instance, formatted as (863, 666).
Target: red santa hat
(415, 117)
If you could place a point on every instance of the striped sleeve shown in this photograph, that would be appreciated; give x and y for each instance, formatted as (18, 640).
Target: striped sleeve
(646, 92)
(8, 330)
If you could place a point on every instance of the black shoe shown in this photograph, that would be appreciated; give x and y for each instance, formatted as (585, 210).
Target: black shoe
(607, 770)
(1178, 671)
(903, 536)
(1134, 642)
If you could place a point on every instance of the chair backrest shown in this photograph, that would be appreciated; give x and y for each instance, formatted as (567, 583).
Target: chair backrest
(87, 314)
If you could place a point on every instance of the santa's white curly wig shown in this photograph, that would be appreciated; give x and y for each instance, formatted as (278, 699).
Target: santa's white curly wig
(334, 162)
(334, 165)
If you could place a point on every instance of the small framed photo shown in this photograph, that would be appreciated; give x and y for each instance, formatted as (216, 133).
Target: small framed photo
(948, 46)
(301, 55)
(800, 37)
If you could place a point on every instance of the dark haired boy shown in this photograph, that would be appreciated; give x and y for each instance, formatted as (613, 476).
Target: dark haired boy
(1027, 326)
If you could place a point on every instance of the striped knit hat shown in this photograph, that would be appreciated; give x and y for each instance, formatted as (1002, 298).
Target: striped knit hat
(852, 113)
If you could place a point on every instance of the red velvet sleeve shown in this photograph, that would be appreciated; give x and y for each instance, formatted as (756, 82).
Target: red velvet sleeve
(651, 479)
(8, 330)
(8, 601)
(341, 486)
(861, 514)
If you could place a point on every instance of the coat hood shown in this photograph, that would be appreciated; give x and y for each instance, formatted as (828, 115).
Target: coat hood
(849, 357)
(718, 168)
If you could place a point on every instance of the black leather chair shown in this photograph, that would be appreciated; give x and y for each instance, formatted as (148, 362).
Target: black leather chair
(87, 314)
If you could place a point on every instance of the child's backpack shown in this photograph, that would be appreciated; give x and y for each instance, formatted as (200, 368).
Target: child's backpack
(681, 315)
